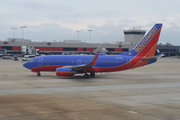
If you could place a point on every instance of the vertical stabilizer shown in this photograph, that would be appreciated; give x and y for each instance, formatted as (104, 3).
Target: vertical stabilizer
(147, 46)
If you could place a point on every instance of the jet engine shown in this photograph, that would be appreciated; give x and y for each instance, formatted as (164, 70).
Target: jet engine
(64, 71)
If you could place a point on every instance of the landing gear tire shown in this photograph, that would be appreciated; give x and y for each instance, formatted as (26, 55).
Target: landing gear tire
(92, 74)
(86, 76)
(38, 74)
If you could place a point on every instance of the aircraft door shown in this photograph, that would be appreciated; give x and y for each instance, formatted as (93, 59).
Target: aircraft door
(40, 59)
(128, 62)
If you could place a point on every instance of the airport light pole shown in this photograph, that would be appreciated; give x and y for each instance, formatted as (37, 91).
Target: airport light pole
(78, 33)
(14, 31)
(53, 45)
(23, 30)
(90, 35)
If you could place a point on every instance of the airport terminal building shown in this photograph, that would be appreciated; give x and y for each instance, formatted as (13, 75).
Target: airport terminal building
(131, 39)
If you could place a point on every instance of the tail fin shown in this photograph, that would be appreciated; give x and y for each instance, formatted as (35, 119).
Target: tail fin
(147, 46)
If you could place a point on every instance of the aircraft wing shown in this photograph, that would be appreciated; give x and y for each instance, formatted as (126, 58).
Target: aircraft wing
(90, 64)
(93, 60)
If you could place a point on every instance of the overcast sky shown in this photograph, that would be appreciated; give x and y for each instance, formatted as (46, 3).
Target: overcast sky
(48, 20)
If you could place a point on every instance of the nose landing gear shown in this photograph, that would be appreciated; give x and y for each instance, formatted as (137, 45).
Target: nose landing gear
(38, 74)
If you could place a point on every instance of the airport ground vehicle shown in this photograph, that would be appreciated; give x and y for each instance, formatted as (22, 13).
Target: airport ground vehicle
(28, 57)
(6, 57)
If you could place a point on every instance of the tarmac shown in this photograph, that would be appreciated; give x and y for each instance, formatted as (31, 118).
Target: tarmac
(151, 92)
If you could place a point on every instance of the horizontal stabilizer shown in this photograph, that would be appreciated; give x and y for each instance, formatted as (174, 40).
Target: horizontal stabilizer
(151, 58)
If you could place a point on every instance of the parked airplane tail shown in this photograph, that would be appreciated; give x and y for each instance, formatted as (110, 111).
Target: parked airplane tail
(147, 46)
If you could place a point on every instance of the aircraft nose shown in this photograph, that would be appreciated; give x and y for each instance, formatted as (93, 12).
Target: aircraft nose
(26, 65)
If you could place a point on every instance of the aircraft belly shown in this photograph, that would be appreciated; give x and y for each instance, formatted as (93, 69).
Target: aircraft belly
(45, 68)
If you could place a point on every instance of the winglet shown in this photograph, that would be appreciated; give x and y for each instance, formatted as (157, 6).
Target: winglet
(93, 60)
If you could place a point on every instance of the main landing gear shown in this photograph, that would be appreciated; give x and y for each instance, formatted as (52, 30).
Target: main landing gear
(38, 74)
(92, 74)
(87, 75)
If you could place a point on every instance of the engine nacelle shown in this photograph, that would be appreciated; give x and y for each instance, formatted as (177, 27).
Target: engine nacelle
(64, 71)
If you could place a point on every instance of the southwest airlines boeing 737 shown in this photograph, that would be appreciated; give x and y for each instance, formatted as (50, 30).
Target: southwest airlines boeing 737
(69, 65)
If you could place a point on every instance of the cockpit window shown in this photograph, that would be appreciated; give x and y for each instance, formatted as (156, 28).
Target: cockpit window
(31, 61)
